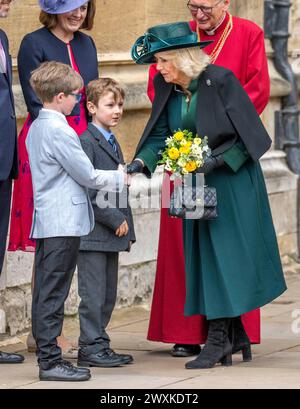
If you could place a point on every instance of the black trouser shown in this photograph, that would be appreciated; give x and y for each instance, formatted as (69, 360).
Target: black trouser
(55, 263)
(5, 199)
(97, 287)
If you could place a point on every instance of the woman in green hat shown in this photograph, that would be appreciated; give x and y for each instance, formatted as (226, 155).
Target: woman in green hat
(232, 263)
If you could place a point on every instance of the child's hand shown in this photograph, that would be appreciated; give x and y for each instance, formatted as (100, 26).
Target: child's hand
(122, 230)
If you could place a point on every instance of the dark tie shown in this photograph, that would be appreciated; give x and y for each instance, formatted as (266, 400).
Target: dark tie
(112, 141)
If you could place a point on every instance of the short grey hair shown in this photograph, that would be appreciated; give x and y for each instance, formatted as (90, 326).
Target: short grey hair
(191, 61)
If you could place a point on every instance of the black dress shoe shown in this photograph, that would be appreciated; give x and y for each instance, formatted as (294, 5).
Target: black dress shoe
(126, 358)
(64, 372)
(183, 350)
(102, 360)
(82, 370)
(6, 358)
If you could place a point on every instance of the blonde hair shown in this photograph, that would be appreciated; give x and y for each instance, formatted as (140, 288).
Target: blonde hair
(52, 78)
(191, 61)
(97, 88)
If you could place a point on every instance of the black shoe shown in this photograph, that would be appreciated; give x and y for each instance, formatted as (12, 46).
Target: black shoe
(6, 358)
(126, 358)
(183, 350)
(102, 360)
(82, 370)
(239, 339)
(217, 348)
(65, 372)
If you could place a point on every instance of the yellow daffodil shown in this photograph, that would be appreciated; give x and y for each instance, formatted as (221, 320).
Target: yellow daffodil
(178, 136)
(185, 150)
(191, 166)
(173, 153)
(197, 141)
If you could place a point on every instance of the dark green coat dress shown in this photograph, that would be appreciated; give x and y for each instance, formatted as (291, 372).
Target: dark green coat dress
(232, 263)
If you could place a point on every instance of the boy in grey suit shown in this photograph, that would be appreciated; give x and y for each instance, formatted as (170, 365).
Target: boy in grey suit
(113, 232)
(61, 174)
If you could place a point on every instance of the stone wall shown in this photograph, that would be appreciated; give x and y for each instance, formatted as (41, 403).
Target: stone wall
(117, 25)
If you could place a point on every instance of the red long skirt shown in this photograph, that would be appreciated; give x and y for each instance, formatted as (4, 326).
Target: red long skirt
(167, 321)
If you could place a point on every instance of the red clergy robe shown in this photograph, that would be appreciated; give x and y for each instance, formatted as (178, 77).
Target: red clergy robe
(244, 54)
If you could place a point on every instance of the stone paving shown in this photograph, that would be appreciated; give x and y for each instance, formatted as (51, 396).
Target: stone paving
(276, 362)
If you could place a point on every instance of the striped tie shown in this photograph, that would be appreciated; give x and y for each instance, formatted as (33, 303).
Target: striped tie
(112, 141)
(3, 68)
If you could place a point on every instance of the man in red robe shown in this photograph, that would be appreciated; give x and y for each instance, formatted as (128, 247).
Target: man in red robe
(238, 45)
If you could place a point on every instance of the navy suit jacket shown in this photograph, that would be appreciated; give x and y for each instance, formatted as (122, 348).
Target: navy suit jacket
(107, 220)
(8, 126)
(41, 46)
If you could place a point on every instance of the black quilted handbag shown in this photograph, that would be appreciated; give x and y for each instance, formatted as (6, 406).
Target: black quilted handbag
(192, 202)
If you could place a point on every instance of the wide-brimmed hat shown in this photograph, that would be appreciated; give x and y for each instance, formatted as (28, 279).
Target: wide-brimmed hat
(164, 37)
(60, 6)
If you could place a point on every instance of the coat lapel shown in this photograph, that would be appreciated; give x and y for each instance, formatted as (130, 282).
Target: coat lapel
(8, 59)
(204, 99)
(8, 75)
(9, 66)
(104, 144)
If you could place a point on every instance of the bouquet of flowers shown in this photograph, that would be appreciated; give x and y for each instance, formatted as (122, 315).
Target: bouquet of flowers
(184, 153)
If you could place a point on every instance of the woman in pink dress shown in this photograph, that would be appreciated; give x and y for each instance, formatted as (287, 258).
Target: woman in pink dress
(59, 40)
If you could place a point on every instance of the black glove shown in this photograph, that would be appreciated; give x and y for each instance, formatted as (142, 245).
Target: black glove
(211, 163)
(135, 167)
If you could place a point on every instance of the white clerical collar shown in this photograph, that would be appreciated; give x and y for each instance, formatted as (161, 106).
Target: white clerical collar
(213, 32)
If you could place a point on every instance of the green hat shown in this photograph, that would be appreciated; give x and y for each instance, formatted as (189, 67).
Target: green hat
(164, 37)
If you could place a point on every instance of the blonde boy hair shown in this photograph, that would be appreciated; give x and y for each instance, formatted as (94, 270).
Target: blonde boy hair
(52, 78)
(191, 61)
(100, 87)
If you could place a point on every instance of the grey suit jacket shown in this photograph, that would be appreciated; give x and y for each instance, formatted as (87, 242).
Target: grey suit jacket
(108, 219)
(61, 174)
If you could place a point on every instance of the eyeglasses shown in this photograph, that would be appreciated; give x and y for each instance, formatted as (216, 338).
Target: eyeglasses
(205, 9)
(77, 96)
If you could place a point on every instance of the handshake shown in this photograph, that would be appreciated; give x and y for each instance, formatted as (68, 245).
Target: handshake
(135, 166)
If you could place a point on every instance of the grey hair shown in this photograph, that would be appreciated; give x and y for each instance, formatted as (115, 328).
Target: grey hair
(191, 61)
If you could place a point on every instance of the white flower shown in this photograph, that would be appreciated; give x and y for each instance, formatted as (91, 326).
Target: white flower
(183, 142)
(169, 141)
(196, 150)
(168, 165)
(181, 162)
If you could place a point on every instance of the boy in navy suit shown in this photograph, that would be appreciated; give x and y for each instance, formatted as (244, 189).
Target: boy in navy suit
(113, 232)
